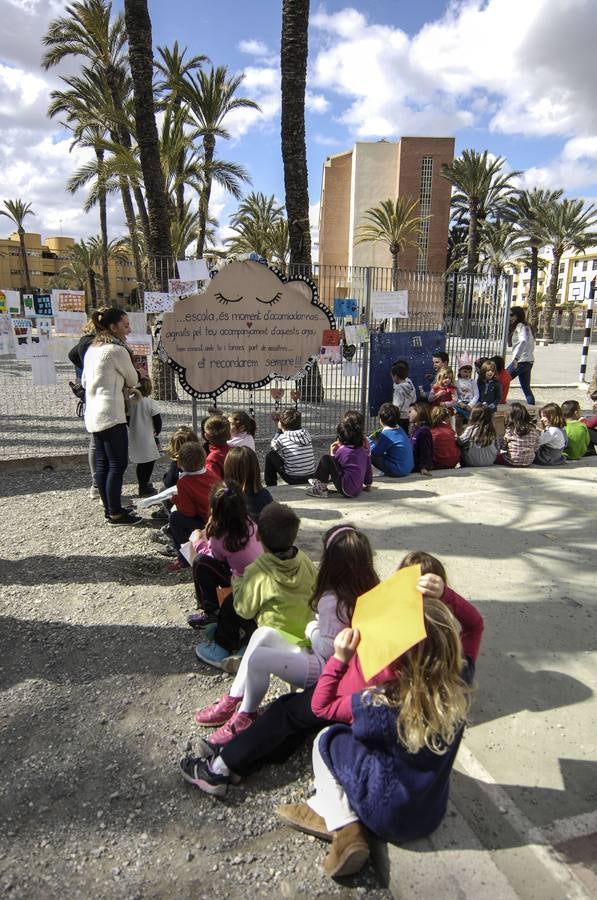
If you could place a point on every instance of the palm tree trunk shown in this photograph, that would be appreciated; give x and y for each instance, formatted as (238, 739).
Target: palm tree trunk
(143, 216)
(129, 213)
(473, 240)
(551, 296)
(24, 260)
(533, 315)
(209, 145)
(103, 216)
(92, 288)
(394, 270)
(293, 61)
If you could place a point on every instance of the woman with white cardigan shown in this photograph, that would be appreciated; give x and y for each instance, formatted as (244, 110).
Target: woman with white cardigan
(108, 372)
(523, 351)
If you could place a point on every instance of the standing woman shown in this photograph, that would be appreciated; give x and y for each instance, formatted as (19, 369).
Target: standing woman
(108, 371)
(522, 341)
(77, 357)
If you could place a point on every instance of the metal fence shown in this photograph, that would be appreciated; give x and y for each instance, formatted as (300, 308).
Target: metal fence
(472, 310)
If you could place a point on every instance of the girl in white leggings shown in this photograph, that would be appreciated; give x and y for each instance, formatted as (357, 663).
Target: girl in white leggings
(346, 571)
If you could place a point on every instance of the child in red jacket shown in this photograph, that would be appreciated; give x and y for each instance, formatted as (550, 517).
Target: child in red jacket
(217, 434)
(192, 498)
(446, 452)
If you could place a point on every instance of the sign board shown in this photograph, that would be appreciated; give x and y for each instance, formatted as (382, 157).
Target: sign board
(416, 347)
(251, 325)
(389, 304)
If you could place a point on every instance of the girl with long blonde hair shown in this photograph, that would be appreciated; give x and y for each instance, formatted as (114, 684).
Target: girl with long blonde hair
(389, 771)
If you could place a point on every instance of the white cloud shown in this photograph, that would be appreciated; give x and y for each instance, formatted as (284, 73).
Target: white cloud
(573, 168)
(316, 103)
(254, 48)
(515, 67)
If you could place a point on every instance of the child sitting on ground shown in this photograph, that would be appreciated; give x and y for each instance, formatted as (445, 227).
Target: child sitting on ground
(478, 441)
(404, 391)
(503, 376)
(439, 360)
(443, 390)
(552, 437)
(490, 391)
(446, 452)
(242, 430)
(576, 431)
(467, 394)
(291, 456)
(224, 550)
(391, 450)
(520, 440)
(420, 437)
(217, 435)
(345, 572)
(348, 464)
(241, 465)
(145, 424)
(591, 423)
(388, 768)
(192, 499)
(274, 590)
(181, 436)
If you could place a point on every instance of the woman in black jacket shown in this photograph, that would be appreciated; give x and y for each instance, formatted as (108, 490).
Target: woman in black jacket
(76, 355)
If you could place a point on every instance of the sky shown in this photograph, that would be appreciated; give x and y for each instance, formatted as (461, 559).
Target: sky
(515, 77)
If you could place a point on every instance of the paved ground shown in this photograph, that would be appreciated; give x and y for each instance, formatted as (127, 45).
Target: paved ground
(100, 682)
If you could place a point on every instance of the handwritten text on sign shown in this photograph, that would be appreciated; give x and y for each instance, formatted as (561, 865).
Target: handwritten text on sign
(390, 304)
(248, 326)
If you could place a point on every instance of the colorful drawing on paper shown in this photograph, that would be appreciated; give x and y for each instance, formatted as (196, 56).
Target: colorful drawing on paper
(356, 334)
(68, 301)
(157, 302)
(28, 304)
(346, 307)
(69, 322)
(179, 288)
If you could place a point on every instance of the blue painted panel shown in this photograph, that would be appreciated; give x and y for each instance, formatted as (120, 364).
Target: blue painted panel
(416, 347)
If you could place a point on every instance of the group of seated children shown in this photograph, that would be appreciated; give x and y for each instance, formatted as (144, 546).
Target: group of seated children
(296, 624)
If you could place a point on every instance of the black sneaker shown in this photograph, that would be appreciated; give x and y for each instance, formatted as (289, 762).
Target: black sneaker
(196, 771)
(125, 519)
(147, 490)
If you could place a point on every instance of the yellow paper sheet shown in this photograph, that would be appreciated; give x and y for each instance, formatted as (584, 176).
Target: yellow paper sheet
(390, 620)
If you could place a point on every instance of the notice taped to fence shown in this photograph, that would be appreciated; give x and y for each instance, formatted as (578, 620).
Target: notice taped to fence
(389, 304)
(250, 326)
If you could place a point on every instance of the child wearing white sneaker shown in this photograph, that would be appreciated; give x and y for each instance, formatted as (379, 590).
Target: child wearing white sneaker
(347, 465)
(346, 571)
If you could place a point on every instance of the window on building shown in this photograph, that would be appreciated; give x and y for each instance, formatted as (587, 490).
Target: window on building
(425, 210)
(562, 266)
(560, 283)
(585, 265)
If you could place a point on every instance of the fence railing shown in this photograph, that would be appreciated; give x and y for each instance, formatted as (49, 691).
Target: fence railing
(471, 310)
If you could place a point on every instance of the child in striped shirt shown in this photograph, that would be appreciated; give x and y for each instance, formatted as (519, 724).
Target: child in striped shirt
(291, 456)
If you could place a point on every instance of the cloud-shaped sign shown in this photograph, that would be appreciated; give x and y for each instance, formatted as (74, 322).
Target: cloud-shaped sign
(251, 325)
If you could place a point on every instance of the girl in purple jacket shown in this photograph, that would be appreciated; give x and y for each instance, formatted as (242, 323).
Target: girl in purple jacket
(347, 465)
(390, 770)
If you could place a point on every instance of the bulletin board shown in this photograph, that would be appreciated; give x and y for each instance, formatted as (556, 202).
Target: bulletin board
(416, 347)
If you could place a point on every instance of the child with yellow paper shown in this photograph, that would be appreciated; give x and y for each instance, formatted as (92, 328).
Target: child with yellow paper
(390, 771)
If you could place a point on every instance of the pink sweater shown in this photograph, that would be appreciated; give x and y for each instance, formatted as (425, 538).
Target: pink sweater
(240, 559)
(332, 698)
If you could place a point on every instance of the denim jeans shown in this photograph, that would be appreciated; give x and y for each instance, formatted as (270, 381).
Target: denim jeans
(523, 373)
(111, 460)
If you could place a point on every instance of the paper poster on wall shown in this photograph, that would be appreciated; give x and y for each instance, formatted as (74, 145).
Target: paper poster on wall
(346, 307)
(28, 304)
(43, 370)
(11, 302)
(6, 335)
(192, 269)
(42, 304)
(179, 288)
(141, 348)
(330, 355)
(44, 328)
(350, 370)
(138, 322)
(416, 347)
(389, 304)
(157, 302)
(21, 329)
(68, 301)
(70, 323)
(250, 325)
(356, 334)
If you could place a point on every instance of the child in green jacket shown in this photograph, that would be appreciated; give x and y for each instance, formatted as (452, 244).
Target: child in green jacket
(576, 431)
(274, 590)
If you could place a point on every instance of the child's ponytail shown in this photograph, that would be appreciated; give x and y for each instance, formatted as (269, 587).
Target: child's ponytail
(229, 520)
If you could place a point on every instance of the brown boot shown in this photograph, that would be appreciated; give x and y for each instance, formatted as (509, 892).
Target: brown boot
(349, 853)
(303, 818)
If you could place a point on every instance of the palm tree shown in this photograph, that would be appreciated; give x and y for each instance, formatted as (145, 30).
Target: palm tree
(500, 245)
(17, 211)
(395, 223)
(173, 68)
(569, 225)
(210, 96)
(86, 258)
(457, 247)
(293, 63)
(527, 211)
(84, 106)
(280, 244)
(138, 26)
(253, 223)
(481, 190)
(87, 30)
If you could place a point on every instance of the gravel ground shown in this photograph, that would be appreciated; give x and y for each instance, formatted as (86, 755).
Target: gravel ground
(99, 685)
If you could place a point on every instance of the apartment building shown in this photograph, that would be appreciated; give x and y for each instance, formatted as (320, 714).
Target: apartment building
(575, 274)
(45, 259)
(362, 177)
